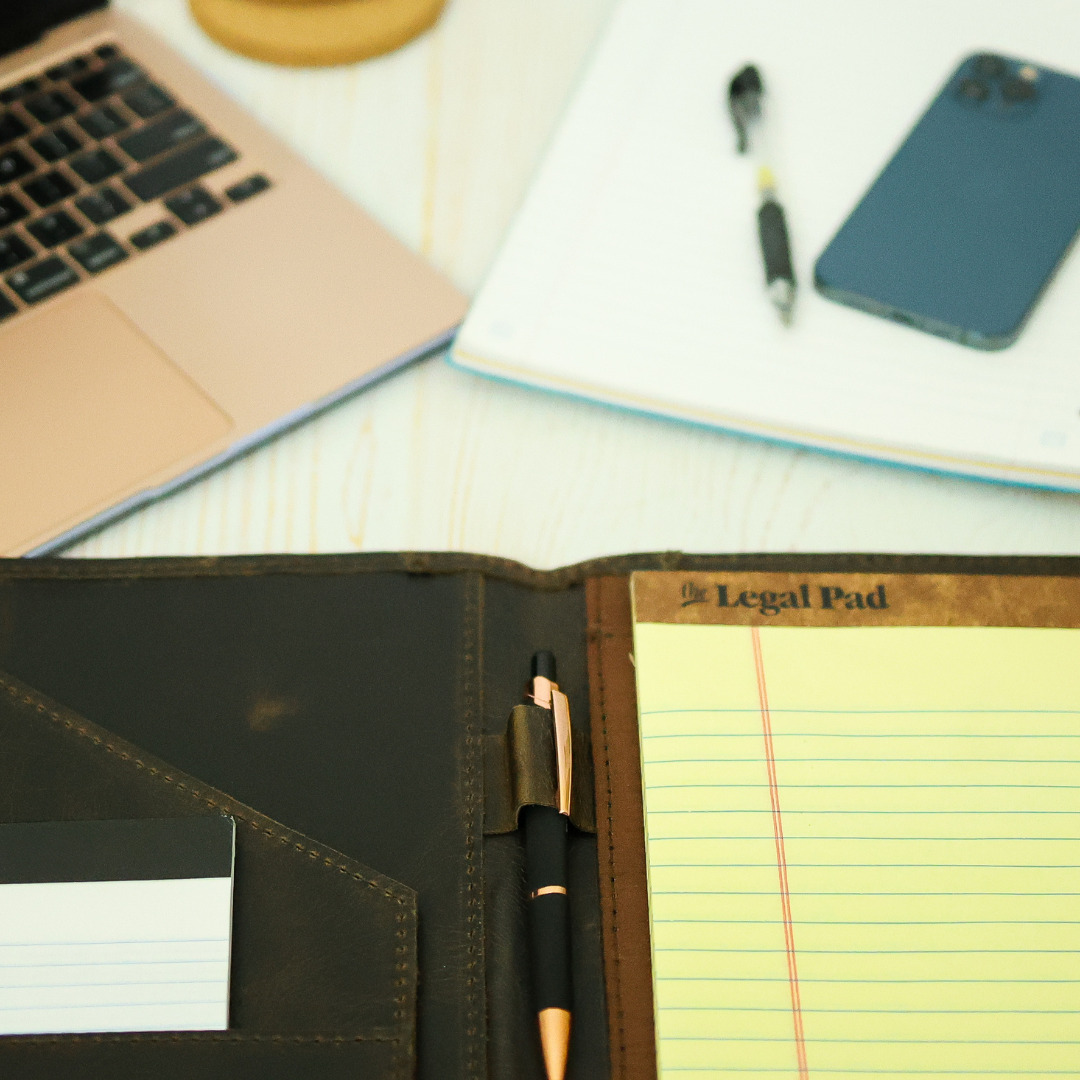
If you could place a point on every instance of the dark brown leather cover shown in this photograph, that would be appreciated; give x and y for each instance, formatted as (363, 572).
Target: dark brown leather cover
(351, 698)
(346, 705)
(348, 698)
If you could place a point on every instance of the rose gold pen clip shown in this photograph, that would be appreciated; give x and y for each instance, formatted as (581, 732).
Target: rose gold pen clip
(547, 695)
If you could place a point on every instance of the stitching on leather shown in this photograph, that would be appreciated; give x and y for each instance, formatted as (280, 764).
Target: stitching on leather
(198, 796)
(401, 951)
(402, 1061)
(422, 562)
(473, 644)
(195, 1036)
(598, 592)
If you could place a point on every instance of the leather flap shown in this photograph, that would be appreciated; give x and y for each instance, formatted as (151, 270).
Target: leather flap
(519, 770)
(324, 949)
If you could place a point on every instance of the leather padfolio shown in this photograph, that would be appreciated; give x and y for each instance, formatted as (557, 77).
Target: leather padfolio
(350, 712)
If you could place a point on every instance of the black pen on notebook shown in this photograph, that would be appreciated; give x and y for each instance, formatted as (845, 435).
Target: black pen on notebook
(746, 94)
(546, 881)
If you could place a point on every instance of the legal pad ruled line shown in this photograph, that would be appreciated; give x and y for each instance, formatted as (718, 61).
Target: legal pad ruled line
(781, 856)
(930, 851)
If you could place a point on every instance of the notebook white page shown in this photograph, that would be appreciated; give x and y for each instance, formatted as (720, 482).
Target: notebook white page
(632, 274)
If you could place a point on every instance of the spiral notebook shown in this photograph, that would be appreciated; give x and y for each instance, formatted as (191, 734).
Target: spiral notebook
(862, 846)
(632, 273)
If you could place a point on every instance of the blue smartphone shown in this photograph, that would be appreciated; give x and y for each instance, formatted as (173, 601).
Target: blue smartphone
(965, 226)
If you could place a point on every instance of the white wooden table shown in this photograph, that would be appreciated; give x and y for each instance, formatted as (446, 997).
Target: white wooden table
(438, 141)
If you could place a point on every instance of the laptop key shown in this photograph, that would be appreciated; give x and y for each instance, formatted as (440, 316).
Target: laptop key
(147, 100)
(193, 206)
(103, 205)
(6, 307)
(20, 90)
(13, 165)
(102, 123)
(98, 252)
(115, 76)
(13, 250)
(11, 210)
(11, 127)
(56, 144)
(152, 234)
(161, 135)
(50, 107)
(67, 69)
(179, 168)
(37, 283)
(54, 229)
(48, 189)
(246, 188)
(96, 166)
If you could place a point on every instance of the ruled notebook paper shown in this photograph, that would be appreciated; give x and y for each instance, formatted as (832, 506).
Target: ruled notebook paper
(863, 849)
(115, 925)
(632, 273)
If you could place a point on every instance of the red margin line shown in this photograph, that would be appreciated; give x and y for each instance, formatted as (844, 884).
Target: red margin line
(781, 857)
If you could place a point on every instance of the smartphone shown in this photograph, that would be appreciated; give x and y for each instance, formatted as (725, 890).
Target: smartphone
(966, 225)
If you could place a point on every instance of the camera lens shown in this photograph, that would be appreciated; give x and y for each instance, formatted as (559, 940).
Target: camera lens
(1016, 91)
(973, 90)
(989, 66)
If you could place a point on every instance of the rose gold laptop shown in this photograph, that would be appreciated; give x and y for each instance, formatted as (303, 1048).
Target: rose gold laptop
(175, 285)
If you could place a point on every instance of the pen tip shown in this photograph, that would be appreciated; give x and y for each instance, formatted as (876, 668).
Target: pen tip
(782, 295)
(555, 1041)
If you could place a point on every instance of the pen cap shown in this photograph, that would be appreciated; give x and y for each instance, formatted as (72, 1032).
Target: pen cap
(744, 103)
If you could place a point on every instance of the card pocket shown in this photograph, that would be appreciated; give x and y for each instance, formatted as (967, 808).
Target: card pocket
(324, 949)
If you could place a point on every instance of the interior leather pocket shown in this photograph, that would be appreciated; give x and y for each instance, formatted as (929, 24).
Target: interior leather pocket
(324, 949)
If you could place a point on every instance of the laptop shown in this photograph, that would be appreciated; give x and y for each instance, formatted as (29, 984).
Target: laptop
(176, 286)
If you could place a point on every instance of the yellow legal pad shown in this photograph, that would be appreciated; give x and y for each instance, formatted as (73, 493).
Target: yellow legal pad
(863, 849)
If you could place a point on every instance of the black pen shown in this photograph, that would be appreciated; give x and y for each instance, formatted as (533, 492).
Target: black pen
(546, 882)
(745, 94)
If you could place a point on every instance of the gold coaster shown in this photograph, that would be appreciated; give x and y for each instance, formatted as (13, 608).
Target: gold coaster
(314, 33)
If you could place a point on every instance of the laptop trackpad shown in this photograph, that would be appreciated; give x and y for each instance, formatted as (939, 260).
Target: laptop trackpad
(91, 411)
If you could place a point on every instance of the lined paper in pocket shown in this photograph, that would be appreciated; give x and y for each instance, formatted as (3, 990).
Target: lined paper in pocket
(115, 925)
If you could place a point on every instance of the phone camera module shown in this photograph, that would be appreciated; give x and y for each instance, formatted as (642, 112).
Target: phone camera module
(989, 66)
(1018, 91)
(973, 91)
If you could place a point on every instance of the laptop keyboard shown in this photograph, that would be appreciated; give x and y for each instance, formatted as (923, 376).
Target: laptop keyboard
(82, 145)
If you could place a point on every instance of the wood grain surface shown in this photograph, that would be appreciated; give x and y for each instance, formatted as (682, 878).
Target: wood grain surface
(439, 141)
